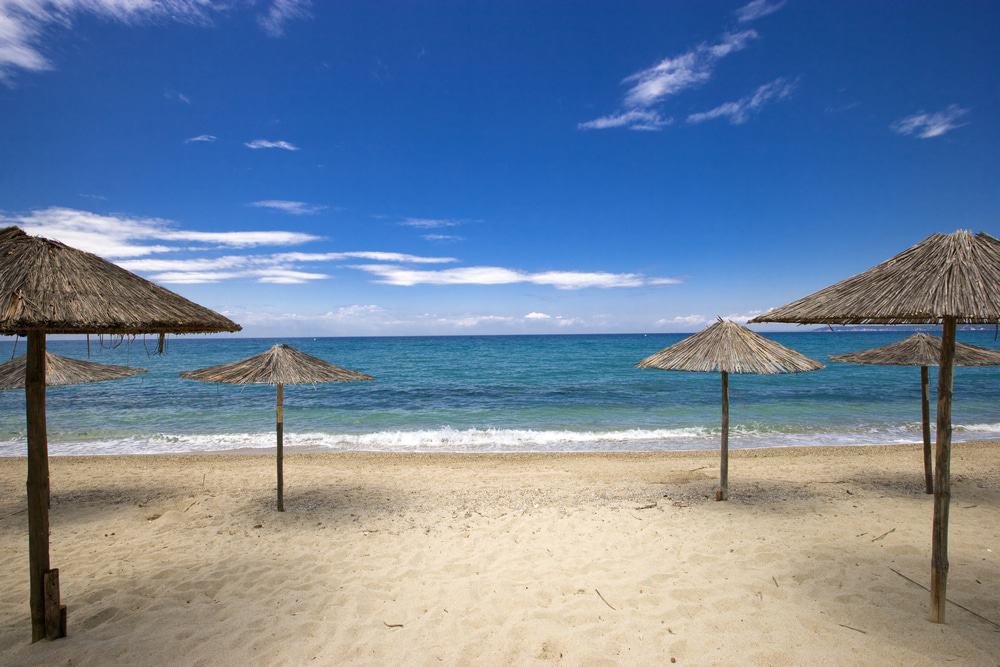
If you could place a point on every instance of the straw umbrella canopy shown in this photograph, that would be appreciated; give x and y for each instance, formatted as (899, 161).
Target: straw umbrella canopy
(922, 350)
(946, 279)
(62, 371)
(726, 347)
(279, 366)
(48, 287)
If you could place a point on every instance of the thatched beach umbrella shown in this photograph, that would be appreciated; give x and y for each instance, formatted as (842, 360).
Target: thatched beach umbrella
(47, 287)
(946, 279)
(726, 347)
(279, 366)
(63, 371)
(922, 350)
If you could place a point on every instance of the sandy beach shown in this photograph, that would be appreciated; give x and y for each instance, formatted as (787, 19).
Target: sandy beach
(577, 559)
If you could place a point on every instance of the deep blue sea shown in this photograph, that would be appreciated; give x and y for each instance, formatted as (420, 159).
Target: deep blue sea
(494, 394)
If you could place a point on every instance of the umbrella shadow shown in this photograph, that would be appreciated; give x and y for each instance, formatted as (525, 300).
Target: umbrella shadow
(333, 501)
(743, 492)
(171, 613)
(874, 596)
(93, 502)
(906, 484)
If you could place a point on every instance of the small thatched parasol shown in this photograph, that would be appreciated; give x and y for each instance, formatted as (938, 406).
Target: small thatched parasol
(279, 366)
(63, 371)
(946, 278)
(47, 287)
(922, 350)
(726, 347)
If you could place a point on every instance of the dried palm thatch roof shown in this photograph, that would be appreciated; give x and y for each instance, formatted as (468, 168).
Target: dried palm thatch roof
(920, 350)
(945, 275)
(729, 347)
(61, 371)
(50, 287)
(279, 365)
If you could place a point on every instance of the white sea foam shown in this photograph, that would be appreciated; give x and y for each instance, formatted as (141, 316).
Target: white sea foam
(449, 439)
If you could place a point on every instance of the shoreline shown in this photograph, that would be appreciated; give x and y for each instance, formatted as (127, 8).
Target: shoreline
(735, 451)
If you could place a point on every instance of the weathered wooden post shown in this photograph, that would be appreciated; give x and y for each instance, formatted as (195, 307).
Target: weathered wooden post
(723, 492)
(281, 445)
(925, 413)
(942, 474)
(38, 480)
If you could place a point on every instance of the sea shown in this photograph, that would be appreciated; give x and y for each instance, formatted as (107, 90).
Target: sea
(492, 394)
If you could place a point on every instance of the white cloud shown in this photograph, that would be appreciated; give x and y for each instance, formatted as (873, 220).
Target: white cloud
(739, 112)
(928, 125)
(538, 316)
(442, 237)
(695, 320)
(175, 96)
(692, 320)
(670, 76)
(121, 236)
(756, 9)
(742, 318)
(356, 311)
(634, 120)
(276, 276)
(201, 138)
(289, 206)
(186, 265)
(281, 12)
(26, 25)
(495, 275)
(475, 320)
(431, 223)
(282, 268)
(258, 144)
(374, 255)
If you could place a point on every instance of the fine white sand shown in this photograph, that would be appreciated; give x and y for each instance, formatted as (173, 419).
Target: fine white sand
(498, 559)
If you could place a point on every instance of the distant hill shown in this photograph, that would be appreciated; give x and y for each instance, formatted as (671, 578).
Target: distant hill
(901, 328)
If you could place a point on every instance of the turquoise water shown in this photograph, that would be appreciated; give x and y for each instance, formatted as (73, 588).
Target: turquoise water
(501, 393)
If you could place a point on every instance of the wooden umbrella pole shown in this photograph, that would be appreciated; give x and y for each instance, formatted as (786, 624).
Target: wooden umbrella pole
(281, 446)
(723, 492)
(38, 480)
(925, 413)
(942, 474)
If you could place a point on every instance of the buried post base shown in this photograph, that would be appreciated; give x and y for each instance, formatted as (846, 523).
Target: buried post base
(722, 494)
(55, 613)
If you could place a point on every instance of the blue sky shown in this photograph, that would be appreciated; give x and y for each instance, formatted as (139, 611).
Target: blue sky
(496, 167)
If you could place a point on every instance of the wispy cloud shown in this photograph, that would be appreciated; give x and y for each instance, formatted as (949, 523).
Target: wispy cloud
(431, 223)
(201, 138)
(26, 25)
(537, 316)
(287, 268)
(373, 255)
(670, 76)
(258, 144)
(289, 206)
(442, 237)
(281, 12)
(175, 96)
(496, 275)
(275, 276)
(701, 320)
(124, 236)
(739, 112)
(928, 125)
(756, 9)
(275, 260)
(633, 120)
